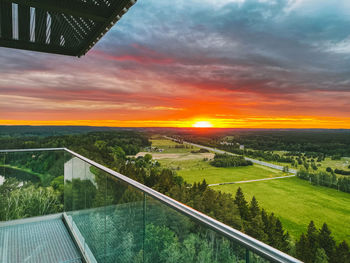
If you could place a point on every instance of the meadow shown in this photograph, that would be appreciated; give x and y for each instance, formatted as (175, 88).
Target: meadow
(296, 202)
(196, 170)
(172, 147)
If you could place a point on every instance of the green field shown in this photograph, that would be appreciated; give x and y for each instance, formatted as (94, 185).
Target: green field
(169, 146)
(296, 202)
(195, 170)
(342, 164)
(293, 200)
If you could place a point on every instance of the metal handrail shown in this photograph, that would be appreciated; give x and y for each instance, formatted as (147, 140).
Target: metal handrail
(252, 244)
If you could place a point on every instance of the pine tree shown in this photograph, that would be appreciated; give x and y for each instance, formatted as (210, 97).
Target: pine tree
(320, 256)
(281, 238)
(326, 241)
(202, 186)
(271, 229)
(255, 228)
(302, 248)
(242, 205)
(312, 239)
(254, 207)
(342, 253)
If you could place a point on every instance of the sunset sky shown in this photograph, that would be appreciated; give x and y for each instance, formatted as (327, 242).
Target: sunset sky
(172, 63)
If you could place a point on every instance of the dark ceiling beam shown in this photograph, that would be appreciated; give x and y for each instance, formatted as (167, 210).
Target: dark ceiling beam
(87, 11)
(119, 10)
(36, 47)
(6, 20)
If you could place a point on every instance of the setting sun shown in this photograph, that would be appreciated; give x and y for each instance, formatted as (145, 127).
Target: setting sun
(202, 124)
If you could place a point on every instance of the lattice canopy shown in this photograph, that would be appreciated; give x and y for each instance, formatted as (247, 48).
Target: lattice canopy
(67, 27)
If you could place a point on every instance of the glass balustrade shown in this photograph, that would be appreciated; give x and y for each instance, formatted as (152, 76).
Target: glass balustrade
(115, 219)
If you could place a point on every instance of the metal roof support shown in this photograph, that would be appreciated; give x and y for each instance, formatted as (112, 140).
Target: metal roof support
(67, 27)
(6, 20)
(69, 8)
(23, 23)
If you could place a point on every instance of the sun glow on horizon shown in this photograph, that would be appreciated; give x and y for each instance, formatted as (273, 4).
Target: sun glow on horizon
(202, 124)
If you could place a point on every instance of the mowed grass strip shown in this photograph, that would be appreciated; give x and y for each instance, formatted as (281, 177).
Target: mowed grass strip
(296, 202)
(196, 170)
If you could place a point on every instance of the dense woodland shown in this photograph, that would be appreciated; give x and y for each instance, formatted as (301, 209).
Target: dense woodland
(317, 143)
(181, 240)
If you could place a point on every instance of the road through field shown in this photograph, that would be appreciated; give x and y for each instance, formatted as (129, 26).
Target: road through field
(271, 165)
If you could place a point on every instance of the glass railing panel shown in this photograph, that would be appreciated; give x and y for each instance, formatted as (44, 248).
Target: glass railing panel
(75, 193)
(255, 258)
(3, 191)
(68, 183)
(124, 222)
(171, 236)
(2, 168)
(34, 183)
(85, 197)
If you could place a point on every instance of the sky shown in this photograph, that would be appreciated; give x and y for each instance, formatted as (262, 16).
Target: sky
(172, 63)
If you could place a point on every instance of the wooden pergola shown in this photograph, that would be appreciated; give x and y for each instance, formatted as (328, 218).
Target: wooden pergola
(67, 27)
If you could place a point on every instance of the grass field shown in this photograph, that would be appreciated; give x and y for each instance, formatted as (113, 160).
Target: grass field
(293, 200)
(195, 170)
(342, 164)
(296, 202)
(169, 146)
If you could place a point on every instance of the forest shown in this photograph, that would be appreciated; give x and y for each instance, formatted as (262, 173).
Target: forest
(335, 143)
(51, 194)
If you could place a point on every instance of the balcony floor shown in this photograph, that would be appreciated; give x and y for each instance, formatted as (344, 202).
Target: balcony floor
(38, 241)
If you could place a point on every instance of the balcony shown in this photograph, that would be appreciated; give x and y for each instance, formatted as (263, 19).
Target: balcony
(104, 216)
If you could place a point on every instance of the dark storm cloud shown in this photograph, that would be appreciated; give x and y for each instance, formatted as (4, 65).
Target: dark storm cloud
(280, 44)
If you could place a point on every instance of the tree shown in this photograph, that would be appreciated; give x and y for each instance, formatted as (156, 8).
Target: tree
(147, 157)
(326, 241)
(281, 237)
(342, 253)
(255, 228)
(302, 248)
(307, 245)
(118, 153)
(242, 205)
(321, 256)
(312, 239)
(254, 207)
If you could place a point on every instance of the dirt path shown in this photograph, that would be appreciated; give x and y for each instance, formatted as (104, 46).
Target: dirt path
(256, 180)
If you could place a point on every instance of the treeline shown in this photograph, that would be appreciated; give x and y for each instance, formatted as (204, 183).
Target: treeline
(318, 245)
(44, 131)
(326, 179)
(265, 155)
(102, 147)
(342, 172)
(333, 143)
(226, 160)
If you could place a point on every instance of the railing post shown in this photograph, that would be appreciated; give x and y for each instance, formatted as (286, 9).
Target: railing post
(144, 227)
